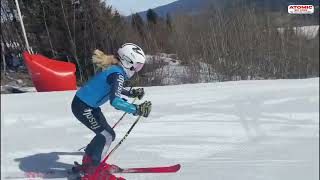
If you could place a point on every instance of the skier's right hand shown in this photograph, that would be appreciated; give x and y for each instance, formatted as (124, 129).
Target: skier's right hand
(144, 109)
(139, 93)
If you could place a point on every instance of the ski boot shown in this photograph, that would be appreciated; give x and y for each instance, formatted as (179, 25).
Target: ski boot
(111, 168)
(87, 170)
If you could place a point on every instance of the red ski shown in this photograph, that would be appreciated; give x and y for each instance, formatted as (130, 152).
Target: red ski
(75, 176)
(162, 169)
(108, 172)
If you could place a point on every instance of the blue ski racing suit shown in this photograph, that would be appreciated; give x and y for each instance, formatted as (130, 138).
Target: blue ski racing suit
(105, 86)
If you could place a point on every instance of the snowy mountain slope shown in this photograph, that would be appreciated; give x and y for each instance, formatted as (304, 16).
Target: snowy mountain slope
(243, 130)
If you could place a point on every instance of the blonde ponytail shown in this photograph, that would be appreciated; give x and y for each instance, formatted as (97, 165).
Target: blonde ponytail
(103, 60)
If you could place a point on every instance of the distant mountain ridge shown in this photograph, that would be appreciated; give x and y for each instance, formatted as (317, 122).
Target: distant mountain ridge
(189, 6)
(196, 6)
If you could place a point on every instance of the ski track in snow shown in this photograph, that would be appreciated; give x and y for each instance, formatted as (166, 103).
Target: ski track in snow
(244, 130)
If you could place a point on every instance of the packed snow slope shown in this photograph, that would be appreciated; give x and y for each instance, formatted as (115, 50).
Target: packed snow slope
(245, 130)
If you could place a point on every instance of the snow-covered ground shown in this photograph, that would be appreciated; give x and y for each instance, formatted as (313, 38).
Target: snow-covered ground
(309, 32)
(245, 130)
(173, 72)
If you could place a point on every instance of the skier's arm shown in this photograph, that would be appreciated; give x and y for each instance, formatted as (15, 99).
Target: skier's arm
(126, 92)
(116, 81)
(133, 93)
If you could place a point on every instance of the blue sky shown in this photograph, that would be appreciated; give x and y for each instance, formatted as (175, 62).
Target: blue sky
(126, 7)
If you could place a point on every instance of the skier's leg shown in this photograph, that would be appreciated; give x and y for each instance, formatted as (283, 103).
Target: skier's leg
(85, 115)
(98, 146)
(108, 134)
(95, 121)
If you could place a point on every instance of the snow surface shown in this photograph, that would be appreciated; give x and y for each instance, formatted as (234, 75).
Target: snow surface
(172, 72)
(245, 130)
(309, 32)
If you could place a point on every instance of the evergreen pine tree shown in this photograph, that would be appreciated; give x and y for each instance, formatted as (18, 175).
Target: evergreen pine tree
(152, 16)
(137, 23)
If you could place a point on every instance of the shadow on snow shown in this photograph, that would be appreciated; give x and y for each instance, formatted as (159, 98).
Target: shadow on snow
(46, 164)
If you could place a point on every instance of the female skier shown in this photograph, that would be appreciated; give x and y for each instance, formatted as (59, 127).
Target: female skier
(108, 86)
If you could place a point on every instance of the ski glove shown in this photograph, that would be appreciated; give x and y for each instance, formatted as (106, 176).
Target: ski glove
(139, 93)
(144, 109)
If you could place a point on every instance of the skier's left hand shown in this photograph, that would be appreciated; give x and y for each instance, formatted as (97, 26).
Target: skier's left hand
(139, 93)
(143, 109)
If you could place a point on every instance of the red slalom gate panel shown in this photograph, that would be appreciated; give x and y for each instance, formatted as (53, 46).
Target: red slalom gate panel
(49, 74)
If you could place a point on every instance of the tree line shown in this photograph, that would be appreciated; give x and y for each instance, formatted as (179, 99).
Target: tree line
(234, 43)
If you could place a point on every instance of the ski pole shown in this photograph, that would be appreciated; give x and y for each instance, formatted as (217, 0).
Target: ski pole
(116, 147)
(124, 114)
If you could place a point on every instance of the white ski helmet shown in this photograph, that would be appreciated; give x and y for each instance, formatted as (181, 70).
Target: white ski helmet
(132, 58)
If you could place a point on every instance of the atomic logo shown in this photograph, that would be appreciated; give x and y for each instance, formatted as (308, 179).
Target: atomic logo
(300, 9)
